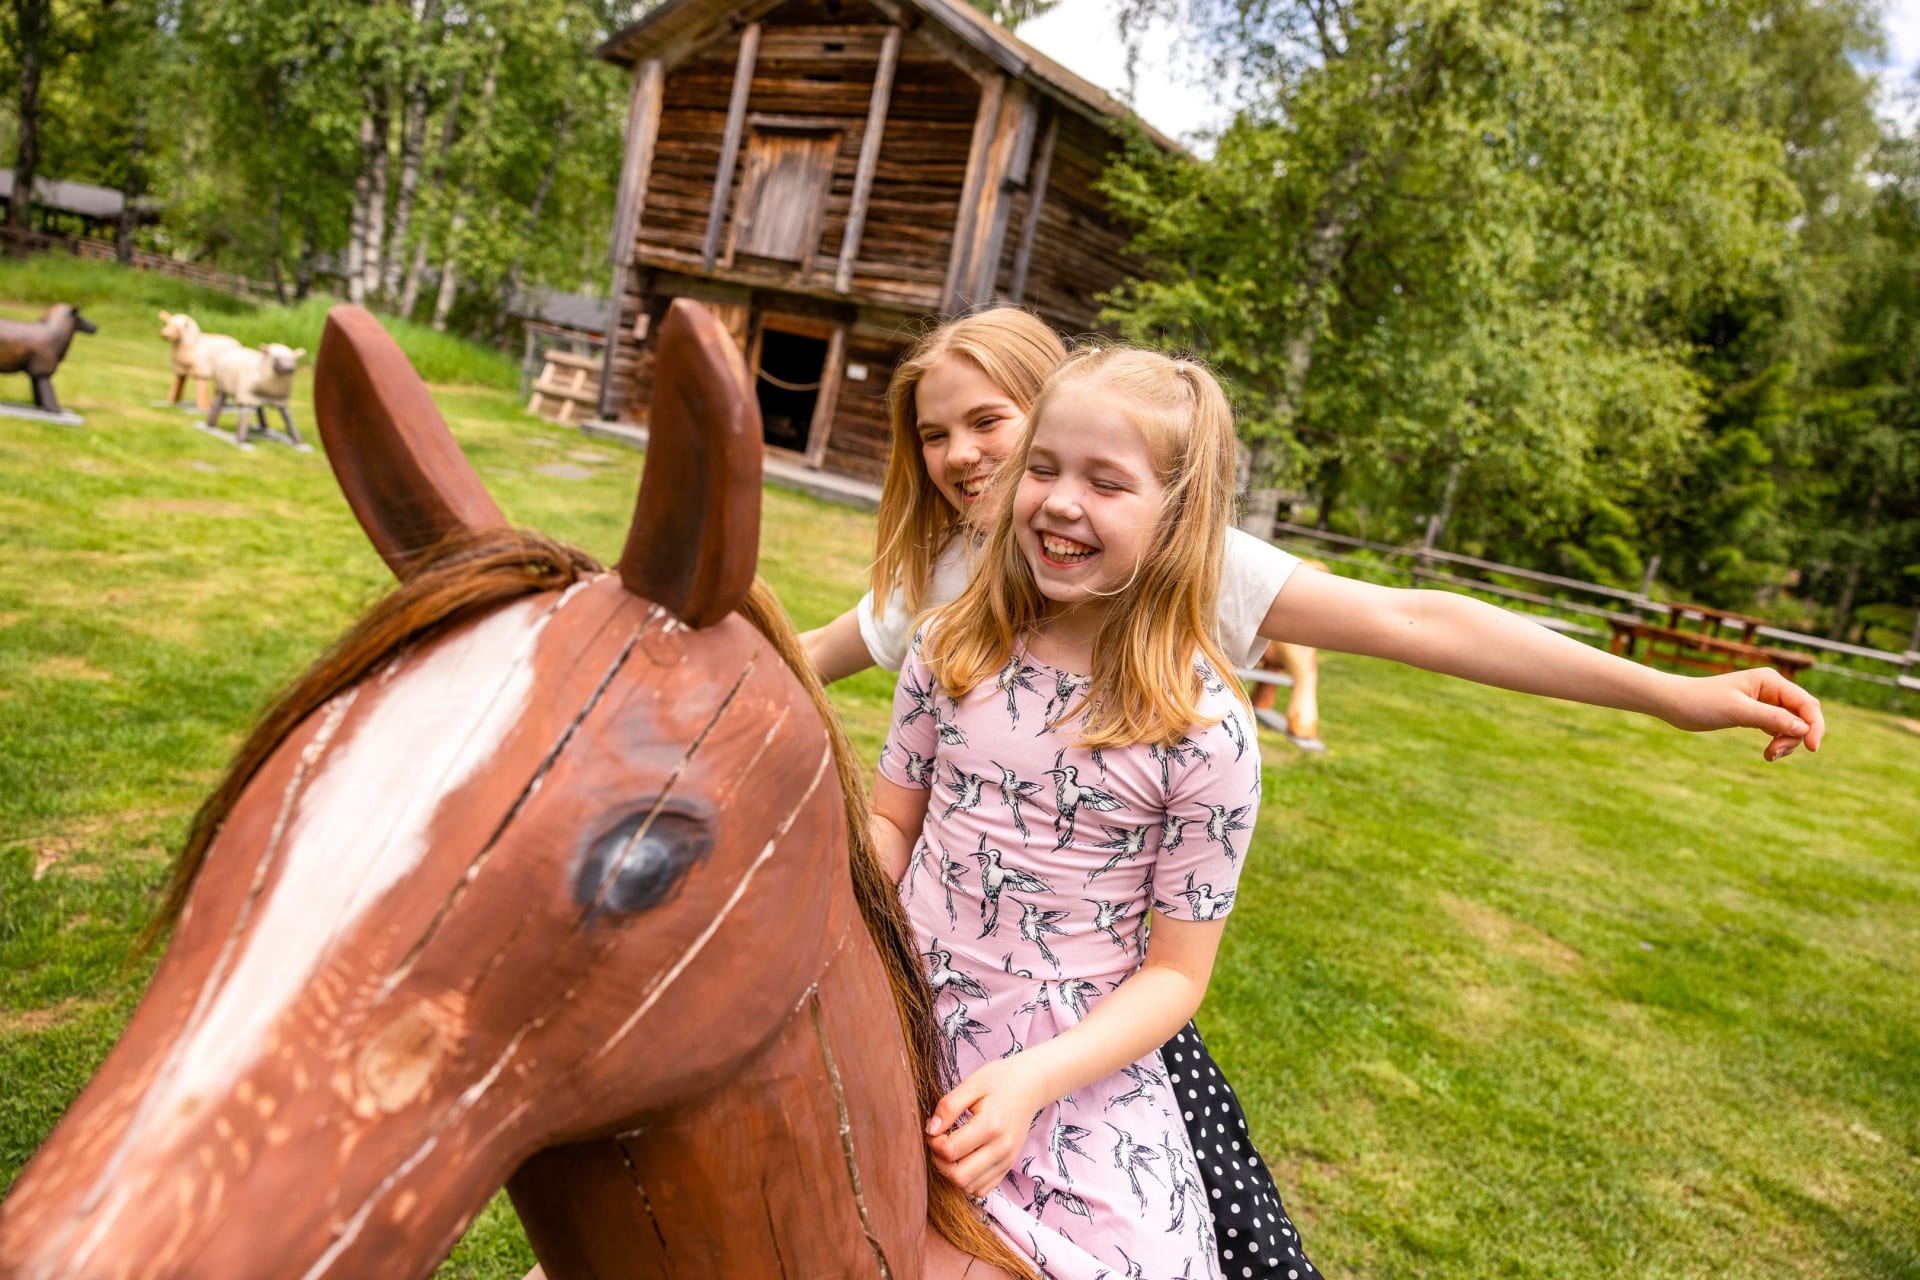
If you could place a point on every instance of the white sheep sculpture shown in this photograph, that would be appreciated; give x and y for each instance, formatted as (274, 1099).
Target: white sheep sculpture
(255, 378)
(192, 355)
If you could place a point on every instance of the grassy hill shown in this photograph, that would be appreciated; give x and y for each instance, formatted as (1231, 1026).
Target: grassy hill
(1515, 988)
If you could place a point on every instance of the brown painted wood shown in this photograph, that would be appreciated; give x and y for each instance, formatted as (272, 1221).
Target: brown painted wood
(695, 535)
(1036, 203)
(831, 373)
(869, 161)
(398, 465)
(730, 143)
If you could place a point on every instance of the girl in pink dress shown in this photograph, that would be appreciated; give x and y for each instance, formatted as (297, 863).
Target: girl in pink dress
(1068, 753)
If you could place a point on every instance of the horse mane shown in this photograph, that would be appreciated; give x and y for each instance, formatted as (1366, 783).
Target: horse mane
(475, 572)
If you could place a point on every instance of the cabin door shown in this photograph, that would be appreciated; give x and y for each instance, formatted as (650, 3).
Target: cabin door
(794, 365)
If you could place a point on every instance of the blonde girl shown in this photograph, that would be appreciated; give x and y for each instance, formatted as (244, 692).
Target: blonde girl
(958, 402)
(1069, 751)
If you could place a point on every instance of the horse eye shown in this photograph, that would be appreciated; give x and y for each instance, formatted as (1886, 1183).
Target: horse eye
(631, 869)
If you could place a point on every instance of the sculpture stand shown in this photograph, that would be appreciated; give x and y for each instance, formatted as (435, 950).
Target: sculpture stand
(243, 436)
(33, 413)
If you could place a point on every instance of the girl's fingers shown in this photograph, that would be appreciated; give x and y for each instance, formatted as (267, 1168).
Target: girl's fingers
(947, 1112)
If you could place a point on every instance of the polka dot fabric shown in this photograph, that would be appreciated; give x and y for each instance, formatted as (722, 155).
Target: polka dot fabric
(1256, 1239)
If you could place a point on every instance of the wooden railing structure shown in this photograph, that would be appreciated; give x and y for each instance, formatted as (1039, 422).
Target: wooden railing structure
(1673, 631)
(19, 240)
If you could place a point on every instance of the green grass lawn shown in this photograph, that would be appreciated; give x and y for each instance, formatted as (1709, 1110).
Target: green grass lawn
(1515, 988)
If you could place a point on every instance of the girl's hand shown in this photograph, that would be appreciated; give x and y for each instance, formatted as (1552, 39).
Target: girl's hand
(1760, 699)
(1004, 1097)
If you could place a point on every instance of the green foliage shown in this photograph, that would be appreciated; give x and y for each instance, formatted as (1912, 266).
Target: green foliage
(1573, 281)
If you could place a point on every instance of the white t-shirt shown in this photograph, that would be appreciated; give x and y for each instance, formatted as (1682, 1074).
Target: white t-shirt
(1254, 572)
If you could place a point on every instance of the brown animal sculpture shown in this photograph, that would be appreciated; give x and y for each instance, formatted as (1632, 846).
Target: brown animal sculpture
(191, 353)
(37, 349)
(541, 877)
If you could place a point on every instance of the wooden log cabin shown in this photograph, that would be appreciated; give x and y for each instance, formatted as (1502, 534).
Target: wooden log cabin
(832, 174)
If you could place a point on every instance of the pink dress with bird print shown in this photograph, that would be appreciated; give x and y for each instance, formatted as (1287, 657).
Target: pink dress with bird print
(1029, 889)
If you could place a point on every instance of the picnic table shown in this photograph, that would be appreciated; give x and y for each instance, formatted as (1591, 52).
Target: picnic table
(1722, 641)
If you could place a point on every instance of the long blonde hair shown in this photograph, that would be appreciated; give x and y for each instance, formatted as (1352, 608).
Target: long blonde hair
(1146, 687)
(1016, 350)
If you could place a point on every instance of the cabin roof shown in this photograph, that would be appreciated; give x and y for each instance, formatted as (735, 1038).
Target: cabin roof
(677, 20)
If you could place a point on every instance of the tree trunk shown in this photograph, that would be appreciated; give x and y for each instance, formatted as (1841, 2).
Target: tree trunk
(449, 127)
(1437, 522)
(357, 228)
(132, 187)
(34, 25)
(309, 250)
(273, 239)
(449, 270)
(534, 209)
(377, 198)
(1850, 585)
(413, 138)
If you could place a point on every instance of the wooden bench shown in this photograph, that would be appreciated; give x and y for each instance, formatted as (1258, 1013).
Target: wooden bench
(1700, 650)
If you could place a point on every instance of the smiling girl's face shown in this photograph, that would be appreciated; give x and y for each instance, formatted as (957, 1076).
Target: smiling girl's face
(968, 425)
(1087, 506)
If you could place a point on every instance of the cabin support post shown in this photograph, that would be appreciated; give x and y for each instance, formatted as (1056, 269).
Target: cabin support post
(869, 162)
(830, 374)
(1036, 200)
(643, 130)
(976, 187)
(730, 144)
(998, 163)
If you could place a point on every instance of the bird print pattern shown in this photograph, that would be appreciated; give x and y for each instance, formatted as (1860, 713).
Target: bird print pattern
(1023, 936)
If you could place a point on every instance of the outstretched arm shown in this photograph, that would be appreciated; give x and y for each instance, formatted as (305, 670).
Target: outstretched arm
(1457, 635)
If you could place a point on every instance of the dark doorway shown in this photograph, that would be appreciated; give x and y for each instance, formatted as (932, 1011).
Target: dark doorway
(787, 383)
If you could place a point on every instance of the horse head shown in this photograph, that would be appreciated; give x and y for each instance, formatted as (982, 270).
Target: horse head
(538, 857)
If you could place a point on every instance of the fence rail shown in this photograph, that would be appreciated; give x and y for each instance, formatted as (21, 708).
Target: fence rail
(19, 240)
(1903, 665)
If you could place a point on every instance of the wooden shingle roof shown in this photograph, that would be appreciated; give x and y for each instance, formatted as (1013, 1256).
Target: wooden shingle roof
(677, 27)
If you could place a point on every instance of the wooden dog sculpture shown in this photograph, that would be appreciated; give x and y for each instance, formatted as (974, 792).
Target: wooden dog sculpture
(36, 349)
(541, 877)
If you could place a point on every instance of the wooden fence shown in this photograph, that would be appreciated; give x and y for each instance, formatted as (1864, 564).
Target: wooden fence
(1573, 606)
(20, 241)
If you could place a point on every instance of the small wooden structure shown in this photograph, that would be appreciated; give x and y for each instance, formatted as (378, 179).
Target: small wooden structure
(1707, 647)
(568, 388)
(826, 174)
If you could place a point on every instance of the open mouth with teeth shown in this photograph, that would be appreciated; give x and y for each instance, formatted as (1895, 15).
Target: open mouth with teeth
(974, 488)
(1057, 550)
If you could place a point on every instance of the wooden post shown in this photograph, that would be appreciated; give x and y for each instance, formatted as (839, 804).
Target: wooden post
(979, 160)
(1036, 200)
(869, 161)
(730, 146)
(643, 131)
(823, 406)
(1012, 149)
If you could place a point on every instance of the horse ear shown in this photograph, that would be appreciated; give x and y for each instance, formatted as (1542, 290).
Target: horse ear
(405, 478)
(695, 535)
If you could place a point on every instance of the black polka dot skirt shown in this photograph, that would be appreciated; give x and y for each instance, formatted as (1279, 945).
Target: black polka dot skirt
(1256, 1238)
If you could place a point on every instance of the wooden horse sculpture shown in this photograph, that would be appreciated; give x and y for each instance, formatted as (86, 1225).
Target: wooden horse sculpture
(540, 877)
(37, 348)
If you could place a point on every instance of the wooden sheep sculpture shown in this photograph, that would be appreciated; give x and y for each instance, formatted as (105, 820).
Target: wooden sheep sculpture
(543, 875)
(255, 378)
(37, 349)
(192, 354)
